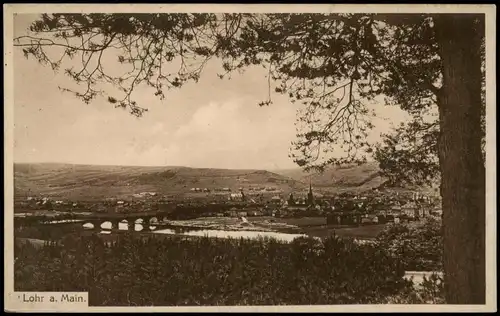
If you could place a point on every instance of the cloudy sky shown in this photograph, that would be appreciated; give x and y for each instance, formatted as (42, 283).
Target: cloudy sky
(214, 123)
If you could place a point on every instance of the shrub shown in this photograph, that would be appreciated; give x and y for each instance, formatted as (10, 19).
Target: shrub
(206, 271)
(431, 291)
(419, 246)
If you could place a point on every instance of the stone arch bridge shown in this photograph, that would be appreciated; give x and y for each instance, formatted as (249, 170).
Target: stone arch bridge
(95, 219)
(151, 218)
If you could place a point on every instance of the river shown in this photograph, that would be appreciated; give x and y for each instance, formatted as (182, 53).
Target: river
(106, 229)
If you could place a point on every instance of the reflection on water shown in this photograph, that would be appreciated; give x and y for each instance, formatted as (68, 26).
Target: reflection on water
(231, 234)
(66, 221)
(183, 231)
(121, 226)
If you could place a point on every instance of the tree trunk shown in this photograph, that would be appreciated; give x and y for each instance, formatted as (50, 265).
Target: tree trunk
(461, 159)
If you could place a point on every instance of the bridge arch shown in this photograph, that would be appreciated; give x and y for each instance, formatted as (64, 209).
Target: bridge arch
(106, 225)
(132, 222)
(153, 220)
(88, 225)
(123, 224)
(138, 227)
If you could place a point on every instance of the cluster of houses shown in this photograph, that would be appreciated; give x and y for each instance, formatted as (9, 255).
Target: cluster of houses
(245, 212)
(343, 209)
(144, 194)
(354, 209)
(208, 190)
(46, 202)
(251, 189)
(383, 209)
(112, 205)
(268, 189)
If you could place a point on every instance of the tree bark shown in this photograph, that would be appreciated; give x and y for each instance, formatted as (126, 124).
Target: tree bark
(461, 159)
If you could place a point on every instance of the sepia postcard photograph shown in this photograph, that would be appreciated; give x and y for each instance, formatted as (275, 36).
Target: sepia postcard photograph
(266, 158)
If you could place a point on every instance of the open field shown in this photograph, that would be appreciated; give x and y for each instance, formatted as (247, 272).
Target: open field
(361, 232)
(317, 227)
(67, 181)
(304, 221)
(364, 176)
(312, 226)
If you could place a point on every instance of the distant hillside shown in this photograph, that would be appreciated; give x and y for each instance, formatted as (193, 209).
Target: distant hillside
(91, 181)
(352, 178)
(346, 176)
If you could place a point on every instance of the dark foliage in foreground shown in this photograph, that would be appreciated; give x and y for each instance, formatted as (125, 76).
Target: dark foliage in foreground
(419, 246)
(204, 271)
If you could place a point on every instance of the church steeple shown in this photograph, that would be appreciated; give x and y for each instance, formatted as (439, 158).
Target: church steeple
(310, 196)
(291, 200)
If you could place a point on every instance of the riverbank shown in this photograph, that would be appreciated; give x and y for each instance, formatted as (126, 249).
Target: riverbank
(215, 226)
